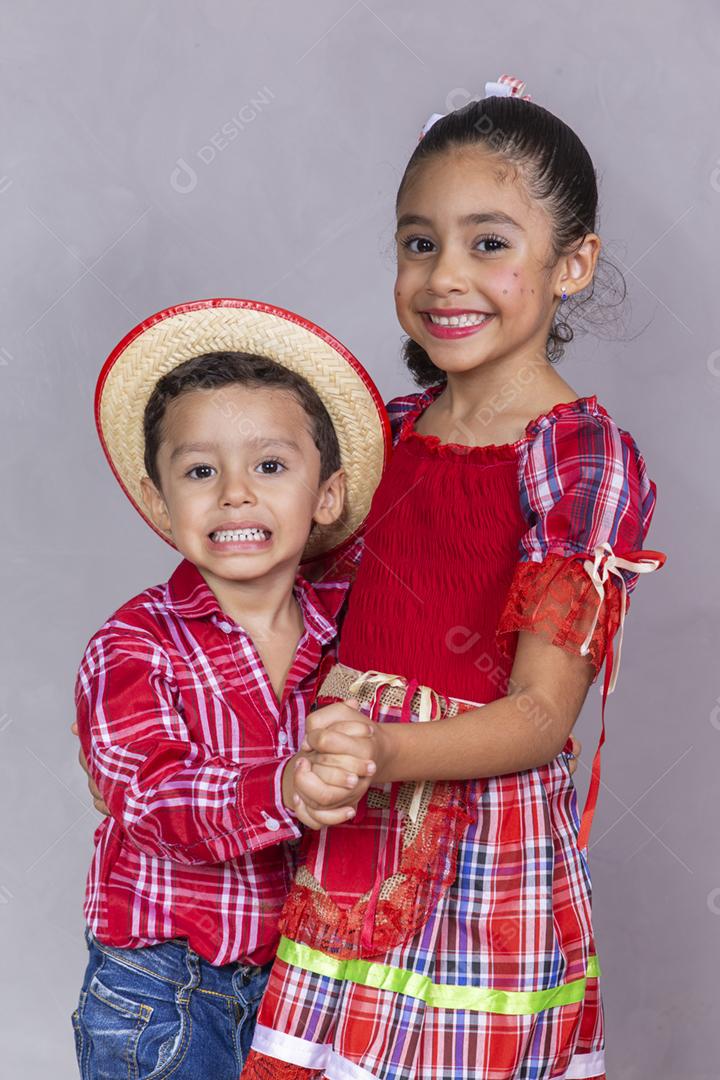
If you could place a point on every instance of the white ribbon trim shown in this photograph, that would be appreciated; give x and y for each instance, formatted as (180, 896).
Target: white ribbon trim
(430, 121)
(496, 89)
(507, 86)
(606, 562)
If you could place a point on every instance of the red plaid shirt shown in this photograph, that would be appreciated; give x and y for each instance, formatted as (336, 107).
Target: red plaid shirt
(187, 741)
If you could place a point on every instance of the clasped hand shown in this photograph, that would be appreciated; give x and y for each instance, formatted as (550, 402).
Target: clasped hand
(337, 762)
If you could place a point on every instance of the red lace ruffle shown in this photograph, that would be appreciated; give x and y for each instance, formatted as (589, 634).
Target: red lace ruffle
(556, 598)
(425, 870)
(260, 1067)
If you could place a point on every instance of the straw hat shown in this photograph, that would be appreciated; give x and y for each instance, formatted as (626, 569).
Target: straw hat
(172, 336)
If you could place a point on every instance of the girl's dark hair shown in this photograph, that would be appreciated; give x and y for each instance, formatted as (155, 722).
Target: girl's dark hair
(556, 169)
(217, 369)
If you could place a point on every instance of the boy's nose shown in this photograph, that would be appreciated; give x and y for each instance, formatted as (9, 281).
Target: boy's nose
(237, 492)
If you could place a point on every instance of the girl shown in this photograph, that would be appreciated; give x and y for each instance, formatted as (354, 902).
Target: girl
(445, 933)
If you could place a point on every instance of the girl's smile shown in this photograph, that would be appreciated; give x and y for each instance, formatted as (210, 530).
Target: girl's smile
(455, 322)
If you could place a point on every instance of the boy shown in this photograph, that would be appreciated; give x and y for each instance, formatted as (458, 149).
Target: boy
(191, 699)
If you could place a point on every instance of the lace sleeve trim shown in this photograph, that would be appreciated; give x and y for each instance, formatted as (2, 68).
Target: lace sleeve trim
(557, 598)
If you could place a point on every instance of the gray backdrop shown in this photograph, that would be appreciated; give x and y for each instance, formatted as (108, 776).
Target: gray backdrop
(154, 153)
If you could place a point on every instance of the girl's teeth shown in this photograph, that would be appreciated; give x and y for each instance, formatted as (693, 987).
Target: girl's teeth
(458, 320)
(239, 534)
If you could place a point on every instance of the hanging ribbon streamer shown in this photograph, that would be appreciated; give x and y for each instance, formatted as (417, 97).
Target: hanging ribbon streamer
(604, 563)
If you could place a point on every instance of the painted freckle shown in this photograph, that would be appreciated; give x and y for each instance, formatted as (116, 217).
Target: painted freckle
(504, 291)
(516, 273)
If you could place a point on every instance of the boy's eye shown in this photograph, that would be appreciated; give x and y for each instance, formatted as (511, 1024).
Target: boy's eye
(418, 245)
(200, 472)
(271, 466)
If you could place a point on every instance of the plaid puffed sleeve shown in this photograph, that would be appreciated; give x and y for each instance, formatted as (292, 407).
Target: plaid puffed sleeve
(588, 503)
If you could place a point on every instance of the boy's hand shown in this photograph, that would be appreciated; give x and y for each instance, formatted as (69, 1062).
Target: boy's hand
(322, 789)
(313, 802)
(92, 786)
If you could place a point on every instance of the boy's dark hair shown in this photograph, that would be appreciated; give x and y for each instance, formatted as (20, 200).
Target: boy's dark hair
(556, 169)
(217, 369)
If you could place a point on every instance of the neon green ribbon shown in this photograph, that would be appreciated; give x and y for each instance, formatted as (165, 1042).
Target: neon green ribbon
(437, 995)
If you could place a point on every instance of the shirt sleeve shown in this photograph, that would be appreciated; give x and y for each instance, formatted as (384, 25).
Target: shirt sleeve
(583, 485)
(173, 796)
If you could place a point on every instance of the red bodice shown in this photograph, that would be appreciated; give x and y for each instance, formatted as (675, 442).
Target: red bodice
(441, 548)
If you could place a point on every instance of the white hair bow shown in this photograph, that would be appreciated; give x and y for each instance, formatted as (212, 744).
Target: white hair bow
(506, 86)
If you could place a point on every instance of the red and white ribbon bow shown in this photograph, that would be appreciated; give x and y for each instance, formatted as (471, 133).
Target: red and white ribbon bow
(606, 562)
(506, 86)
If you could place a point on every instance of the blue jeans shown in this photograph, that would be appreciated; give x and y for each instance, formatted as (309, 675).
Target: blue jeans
(163, 1011)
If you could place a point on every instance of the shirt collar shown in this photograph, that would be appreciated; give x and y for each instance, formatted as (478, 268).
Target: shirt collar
(321, 604)
(189, 596)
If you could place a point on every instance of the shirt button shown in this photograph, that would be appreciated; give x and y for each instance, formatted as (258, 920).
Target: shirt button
(282, 738)
(225, 627)
(272, 823)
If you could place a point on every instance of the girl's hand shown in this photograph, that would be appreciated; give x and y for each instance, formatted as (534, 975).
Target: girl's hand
(341, 712)
(92, 786)
(346, 756)
(346, 763)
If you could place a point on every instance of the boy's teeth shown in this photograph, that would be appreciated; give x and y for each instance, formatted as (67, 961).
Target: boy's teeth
(458, 320)
(225, 536)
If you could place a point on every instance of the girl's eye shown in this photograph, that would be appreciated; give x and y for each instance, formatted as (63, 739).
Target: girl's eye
(497, 241)
(204, 472)
(423, 244)
(271, 467)
(420, 245)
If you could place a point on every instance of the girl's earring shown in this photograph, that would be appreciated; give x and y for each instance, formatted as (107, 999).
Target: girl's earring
(564, 295)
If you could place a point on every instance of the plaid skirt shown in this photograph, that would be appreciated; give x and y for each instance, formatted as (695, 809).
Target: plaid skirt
(500, 978)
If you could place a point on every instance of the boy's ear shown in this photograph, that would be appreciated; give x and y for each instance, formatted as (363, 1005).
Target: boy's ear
(331, 499)
(155, 505)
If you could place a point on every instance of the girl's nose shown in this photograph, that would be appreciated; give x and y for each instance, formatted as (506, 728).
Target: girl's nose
(447, 275)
